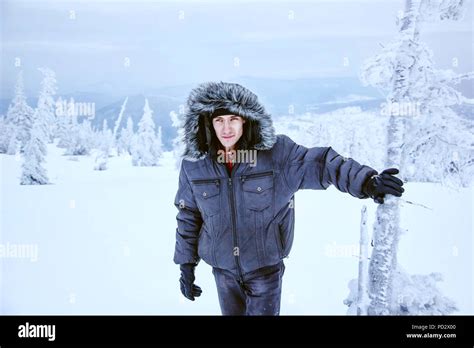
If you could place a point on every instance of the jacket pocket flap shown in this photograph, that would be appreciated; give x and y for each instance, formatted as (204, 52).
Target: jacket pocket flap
(207, 190)
(258, 185)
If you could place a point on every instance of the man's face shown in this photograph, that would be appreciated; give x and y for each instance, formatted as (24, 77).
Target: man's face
(229, 129)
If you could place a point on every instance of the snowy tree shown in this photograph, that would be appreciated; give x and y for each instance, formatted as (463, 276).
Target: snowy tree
(119, 118)
(435, 144)
(46, 105)
(20, 117)
(125, 139)
(80, 139)
(416, 295)
(35, 149)
(14, 144)
(362, 291)
(159, 143)
(344, 129)
(405, 70)
(419, 295)
(34, 153)
(64, 122)
(177, 122)
(145, 151)
(72, 140)
(440, 149)
(86, 136)
(5, 134)
(105, 141)
(358, 299)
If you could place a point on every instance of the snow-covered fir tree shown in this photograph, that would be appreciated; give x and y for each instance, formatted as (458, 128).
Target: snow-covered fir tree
(14, 144)
(34, 154)
(20, 117)
(105, 142)
(81, 138)
(72, 140)
(177, 121)
(107, 139)
(5, 134)
(159, 143)
(144, 149)
(46, 105)
(64, 122)
(124, 142)
(86, 136)
(35, 149)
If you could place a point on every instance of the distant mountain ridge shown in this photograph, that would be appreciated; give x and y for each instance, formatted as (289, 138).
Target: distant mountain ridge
(279, 96)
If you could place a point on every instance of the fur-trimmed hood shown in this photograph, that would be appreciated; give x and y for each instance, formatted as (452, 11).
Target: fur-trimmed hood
(205, 99)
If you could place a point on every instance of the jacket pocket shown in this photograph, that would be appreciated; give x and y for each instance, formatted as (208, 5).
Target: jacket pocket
(258, 190)
(207, 194)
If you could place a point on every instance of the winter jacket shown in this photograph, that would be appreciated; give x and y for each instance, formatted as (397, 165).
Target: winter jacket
(245, 221)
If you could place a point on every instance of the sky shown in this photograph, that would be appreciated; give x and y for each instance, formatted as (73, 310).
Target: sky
(134, 46)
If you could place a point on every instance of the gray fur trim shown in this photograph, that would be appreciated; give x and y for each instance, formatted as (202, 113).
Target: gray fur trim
(209, 96)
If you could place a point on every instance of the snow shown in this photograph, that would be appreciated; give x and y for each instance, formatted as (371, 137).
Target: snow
(105, 242)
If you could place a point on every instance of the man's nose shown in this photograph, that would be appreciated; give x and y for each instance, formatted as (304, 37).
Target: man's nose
(226, 126)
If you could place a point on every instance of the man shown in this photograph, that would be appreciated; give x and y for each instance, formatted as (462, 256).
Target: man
(237, 215)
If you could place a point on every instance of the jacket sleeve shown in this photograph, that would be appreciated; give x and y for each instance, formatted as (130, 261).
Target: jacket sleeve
(319, 167)
(189, 222)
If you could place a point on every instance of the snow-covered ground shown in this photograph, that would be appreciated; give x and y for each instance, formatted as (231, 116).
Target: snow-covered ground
(105, 242)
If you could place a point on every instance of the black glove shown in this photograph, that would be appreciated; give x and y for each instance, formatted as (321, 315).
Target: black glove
(188, 288)
(377, 186)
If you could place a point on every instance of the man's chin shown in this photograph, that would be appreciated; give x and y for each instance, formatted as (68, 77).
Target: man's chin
(227, 143)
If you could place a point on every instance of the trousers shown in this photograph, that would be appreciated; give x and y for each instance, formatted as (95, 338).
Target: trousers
(257, 293)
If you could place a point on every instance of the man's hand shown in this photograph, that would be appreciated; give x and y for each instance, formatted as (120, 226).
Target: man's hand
(189, 290)
(379, 185)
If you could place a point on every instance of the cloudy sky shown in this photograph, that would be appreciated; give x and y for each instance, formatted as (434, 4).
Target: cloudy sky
(134, 46)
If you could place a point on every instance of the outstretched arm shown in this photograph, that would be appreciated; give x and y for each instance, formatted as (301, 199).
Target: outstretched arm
(319, 167)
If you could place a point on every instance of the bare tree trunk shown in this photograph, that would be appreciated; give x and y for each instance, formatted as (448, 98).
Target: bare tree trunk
(118, 121)
(362, 294)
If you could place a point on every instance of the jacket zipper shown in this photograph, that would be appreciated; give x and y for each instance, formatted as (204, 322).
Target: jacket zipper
(256, 175)
(234, 232)
(233, 214)
(234, 228)
(205, 181)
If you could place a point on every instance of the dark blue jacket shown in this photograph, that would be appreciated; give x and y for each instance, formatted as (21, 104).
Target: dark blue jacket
(245, 220)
